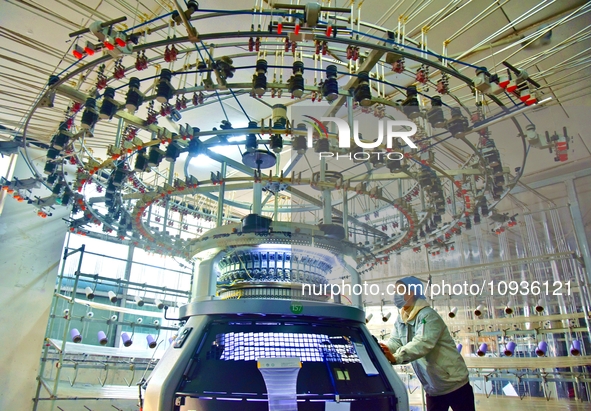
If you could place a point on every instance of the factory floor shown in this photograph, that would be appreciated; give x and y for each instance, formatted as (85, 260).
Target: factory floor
(527, 404)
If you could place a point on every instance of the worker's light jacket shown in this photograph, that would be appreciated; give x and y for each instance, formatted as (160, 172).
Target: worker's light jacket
(426, 343)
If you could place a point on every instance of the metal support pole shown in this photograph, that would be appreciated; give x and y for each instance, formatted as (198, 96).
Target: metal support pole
(52, 315)
(579, 226)
(350, 120)
(401, 216)
(276, 195)
(125, 290)
(350, 115)
(192, 284)
(222, 193)
(278, 165)
(119, 132)
(170, 178)
(454, 207)
(346, 214)
(422, 199)
(257, 198)
(355, 279)
(66, 327)
(553, 265)
(326, 198)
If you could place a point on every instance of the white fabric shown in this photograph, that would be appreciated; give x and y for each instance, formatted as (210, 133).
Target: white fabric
(281, 386)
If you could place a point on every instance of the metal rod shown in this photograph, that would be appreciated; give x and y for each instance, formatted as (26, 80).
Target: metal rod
(166, 204)
(140, 286)
(157, 327)
(302, 7)
(191, 32)
(476, 267)
(400, 215)
(257, 197)
(510, 25)
(579, 226)
(346, 214)
(119, 132)
(124, 259)
(123, 300)
(221, 195)
(276, 194)
(51, 322)
(66, 327)
(326, 197)
(104, 24)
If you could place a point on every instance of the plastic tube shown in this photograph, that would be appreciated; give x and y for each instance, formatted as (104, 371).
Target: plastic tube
(542, 349)
(151, 341)
(75, 335)
(126, 339)
(510, 348)
(102, 338)
(482, 350)
(575, 348)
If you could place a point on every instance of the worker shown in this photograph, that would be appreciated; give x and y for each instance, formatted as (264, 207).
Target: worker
(421, 337)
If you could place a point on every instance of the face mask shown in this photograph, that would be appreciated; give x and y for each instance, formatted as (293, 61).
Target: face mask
(399, 300)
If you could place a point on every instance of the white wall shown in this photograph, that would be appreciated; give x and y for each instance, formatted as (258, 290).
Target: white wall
(30, 252)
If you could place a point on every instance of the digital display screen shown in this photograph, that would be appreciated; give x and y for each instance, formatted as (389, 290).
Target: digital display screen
(250, 346)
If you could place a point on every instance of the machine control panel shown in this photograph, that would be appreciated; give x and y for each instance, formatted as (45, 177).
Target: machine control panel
(180, 340)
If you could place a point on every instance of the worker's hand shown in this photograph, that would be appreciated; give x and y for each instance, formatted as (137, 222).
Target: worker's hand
(388, 354)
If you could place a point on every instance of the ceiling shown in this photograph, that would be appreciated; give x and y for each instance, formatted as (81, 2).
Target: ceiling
(35, 44)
